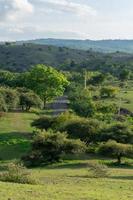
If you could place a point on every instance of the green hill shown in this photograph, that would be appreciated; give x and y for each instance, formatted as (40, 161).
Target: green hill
(21, 57)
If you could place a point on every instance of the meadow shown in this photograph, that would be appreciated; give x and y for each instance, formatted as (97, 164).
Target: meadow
(69, 179)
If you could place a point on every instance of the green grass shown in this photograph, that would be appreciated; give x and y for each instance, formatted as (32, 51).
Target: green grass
(123, 99)
(71, 180)
(67, 180)
(127, 100)
(15, 134)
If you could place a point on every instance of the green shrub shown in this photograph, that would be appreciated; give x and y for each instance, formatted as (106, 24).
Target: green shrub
(98, 79)
(109, 92)
(29, 99)
(48, 147)
(120, 132)
(3, 106)
(64, 118)
(84, 108)
(107, 108)
(98, 170)
(44, 123)
(74, 146)
(10, 97)
(81, 103)
(116, 150)
(16, 173)
(86, 130)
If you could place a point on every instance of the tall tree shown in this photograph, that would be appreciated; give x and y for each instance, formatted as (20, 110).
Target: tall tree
(46, 82)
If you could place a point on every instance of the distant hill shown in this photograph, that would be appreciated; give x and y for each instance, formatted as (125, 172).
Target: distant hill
(98, 45)
(21, 57)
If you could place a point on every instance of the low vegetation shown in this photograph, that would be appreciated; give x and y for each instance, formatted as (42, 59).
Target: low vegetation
(83, 149)
(98, 170)
(16, 173)
(117, 150)
(48, 147)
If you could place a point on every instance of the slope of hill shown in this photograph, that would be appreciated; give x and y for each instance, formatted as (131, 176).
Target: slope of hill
(21, 57)
(96, 45)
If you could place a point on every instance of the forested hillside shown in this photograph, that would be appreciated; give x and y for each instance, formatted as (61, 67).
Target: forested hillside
(21, 57)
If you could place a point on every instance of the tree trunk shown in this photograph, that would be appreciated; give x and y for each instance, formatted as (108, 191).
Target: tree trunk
(44, 103)
(119, 159)
(22, 108)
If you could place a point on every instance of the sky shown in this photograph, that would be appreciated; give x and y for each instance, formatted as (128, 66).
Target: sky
(68, 19)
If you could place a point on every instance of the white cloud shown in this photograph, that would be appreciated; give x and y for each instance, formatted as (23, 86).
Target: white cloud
(48, 18)
(14, 9)
(68, 6)
(20, 32)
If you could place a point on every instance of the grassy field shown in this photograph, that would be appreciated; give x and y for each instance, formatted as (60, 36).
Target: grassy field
(127, 100)
(123, 99)
(67, 180)
(71, 181)
(15, 134)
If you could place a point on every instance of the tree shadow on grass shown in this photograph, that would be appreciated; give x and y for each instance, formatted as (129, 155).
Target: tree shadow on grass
(83, 163)
(109, 177)
(125, 165)
(14, 135)
(122, 177)
(67, 166)
(14, 145)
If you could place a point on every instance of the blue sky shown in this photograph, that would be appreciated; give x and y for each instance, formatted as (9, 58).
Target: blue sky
(77, 19)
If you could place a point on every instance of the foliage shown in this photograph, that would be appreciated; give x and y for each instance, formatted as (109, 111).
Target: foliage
(49, 122)
(28, 100)
(6, 78)
(3, 106)
(63, 119)
(48, 147)
(79, 94)
(81, 102)
(10, 97)
(84, 108)
(124, 75)
(121, 132)
(108, 92)
(86, 130)
(117, 150)
(20, 58)
(44, 123)
(46, 82)
(107, 108)
(98, 170)
(16, 173)
(98, 79)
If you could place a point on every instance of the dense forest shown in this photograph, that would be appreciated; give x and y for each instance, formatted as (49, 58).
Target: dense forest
(19, 58)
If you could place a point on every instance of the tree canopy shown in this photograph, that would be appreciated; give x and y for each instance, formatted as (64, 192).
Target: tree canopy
(46, 82)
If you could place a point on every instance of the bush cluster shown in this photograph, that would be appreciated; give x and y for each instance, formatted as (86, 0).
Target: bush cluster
(16, 173)
(48, 147)
(91, 131)
(11, 99)
(98, 170)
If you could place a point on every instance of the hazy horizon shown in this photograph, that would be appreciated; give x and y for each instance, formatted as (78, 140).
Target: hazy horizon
(82, 39)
